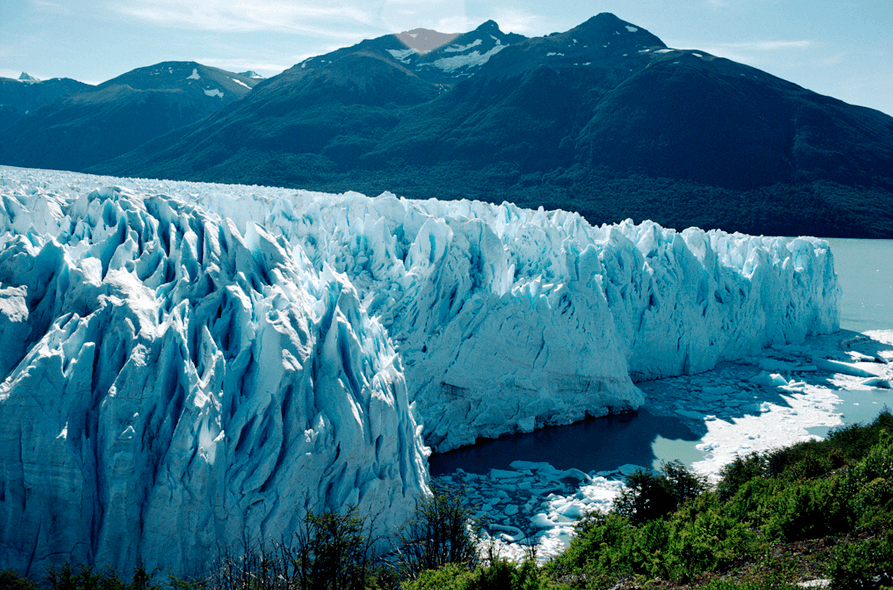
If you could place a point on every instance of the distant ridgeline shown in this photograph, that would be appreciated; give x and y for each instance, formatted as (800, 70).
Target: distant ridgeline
(603, 119)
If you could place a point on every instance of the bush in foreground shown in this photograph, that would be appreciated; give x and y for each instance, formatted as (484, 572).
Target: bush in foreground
(838, 491)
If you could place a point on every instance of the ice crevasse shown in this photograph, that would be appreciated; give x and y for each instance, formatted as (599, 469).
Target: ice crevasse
(186, 362)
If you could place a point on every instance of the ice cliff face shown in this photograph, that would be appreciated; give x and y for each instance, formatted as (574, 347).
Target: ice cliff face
(183, 362)
(171, 381)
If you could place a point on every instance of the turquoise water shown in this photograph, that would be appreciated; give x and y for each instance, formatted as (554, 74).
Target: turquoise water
(865, 272)
(859, 407)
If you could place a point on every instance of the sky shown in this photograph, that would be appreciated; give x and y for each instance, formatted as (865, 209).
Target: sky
(841, 48)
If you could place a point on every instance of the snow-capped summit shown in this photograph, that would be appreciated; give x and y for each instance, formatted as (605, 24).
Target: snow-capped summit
(26, 77)
(456, 56)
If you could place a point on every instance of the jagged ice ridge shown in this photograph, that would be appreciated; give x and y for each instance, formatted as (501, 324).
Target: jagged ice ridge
(184, 362)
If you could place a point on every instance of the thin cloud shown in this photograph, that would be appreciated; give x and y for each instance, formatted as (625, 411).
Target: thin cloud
(247, 16)
(519, 21)
(770, 45)
(265, 69)
(51, 7)
(344, 19)
(833, 60)
(755, 53)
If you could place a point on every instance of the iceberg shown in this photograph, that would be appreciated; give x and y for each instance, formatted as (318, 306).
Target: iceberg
(185, 362)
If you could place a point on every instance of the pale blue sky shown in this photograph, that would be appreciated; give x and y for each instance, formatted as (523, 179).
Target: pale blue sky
(842, 48)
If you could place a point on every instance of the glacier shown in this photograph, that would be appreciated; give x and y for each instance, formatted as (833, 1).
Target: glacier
(184, 363)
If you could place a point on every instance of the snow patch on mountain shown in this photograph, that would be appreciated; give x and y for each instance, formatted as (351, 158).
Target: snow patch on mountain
(461, 48)
(402, 55)
(194, 75)
(473, 59)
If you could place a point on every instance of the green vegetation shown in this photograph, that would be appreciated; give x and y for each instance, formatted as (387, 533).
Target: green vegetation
(441, 532)
(814, 510)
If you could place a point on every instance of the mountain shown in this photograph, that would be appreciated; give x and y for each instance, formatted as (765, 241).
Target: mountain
(79, 129)
(322, 115)
(187, 365)
(19, 97)
(604, 119)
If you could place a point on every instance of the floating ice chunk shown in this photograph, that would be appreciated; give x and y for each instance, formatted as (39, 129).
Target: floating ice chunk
(574, 473)
(842, 368)
(532, 466)
(502, 474)
(877, 382)
(510, 533)
(628, 469)
(769, 379)
(542, 521)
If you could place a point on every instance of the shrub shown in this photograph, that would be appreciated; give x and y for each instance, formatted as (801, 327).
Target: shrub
(595, 546)
(867, 488)
(451, 576)
(804, 510)
(330, 552)
(12, 580)
(500, 574)
(648, 496)
(804, 460)
(703, 535)
(441, 531)
(85, 578)
(334, 551)
(854, 565)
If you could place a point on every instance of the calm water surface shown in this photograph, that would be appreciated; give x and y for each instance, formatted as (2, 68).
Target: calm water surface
(865, 271)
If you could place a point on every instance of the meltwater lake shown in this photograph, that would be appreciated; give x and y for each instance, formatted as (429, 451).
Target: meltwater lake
(658, 433)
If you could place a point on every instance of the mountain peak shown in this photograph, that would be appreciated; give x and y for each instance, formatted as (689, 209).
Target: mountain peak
(425, 40)
(26, 77)
(606, 27)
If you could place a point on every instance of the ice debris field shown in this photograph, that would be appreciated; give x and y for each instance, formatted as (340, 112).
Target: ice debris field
(184, 362)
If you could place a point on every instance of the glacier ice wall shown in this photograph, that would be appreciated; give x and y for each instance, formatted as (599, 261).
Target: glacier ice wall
(200, 358)
(509, 319)
(171, 382)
